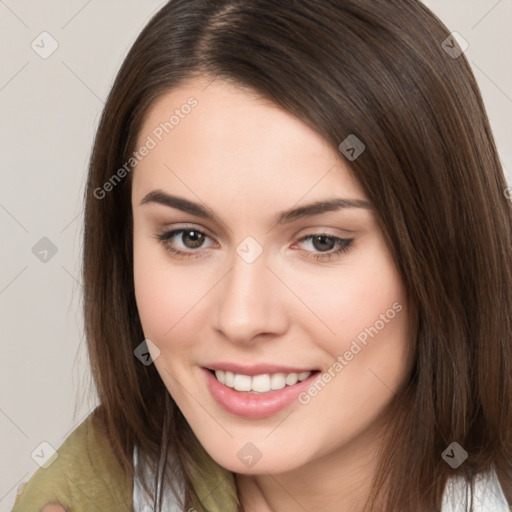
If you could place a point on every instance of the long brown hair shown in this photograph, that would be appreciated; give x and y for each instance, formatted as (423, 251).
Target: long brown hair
(376, 69)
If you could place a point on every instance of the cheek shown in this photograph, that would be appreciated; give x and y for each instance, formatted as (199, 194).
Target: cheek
(370, 351)
(171, 300)
(161, 295)
(365, 293)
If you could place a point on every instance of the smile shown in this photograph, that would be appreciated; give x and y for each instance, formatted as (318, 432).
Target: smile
(259, 395)
(262, 383)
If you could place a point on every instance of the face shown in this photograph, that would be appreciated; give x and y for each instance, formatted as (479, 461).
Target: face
(299, 307)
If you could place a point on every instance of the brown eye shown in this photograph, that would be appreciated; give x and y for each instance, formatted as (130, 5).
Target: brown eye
(187, 242)
(324, 247)
(323, 242)
(192, 239)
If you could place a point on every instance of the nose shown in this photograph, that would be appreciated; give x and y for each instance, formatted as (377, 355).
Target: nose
(250, 303)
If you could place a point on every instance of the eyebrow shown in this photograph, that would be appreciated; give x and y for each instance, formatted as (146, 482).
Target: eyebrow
(317, 208)
(327, 205)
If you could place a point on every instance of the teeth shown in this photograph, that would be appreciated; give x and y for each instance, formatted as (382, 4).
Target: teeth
(242, 382)
(259, 383)
(278, 381)
(229, 379)
(291, 379)
(304, 376)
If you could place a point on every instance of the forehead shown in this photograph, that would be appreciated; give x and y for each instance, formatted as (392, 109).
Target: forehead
(216, 134)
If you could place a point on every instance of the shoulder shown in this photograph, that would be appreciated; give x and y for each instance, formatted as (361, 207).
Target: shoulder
(85, 475)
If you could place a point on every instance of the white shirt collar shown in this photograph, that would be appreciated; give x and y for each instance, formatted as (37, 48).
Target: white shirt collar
(488, 495)
(141, 500)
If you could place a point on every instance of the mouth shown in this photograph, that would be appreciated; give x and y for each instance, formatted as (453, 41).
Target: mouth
(258, 395)
(261, 383)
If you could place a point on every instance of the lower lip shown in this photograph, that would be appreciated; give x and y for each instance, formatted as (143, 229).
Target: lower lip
(253, 406)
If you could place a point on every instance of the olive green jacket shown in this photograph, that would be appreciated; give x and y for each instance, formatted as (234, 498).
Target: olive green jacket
(85, 477)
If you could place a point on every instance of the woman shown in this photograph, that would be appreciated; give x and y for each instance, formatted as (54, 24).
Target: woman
(297, 280)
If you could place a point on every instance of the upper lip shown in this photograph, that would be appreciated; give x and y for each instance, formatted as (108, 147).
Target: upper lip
(257, 369)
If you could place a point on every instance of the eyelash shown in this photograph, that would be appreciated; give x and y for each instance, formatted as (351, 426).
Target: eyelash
(343, 244)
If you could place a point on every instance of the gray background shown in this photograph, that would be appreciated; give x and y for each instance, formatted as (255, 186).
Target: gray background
(49, 111)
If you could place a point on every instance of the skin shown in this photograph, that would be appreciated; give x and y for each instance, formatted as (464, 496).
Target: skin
(246, 160)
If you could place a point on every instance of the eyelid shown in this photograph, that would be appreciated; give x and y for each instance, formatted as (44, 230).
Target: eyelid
(342, 246)
(166, 234)
(338, 239)
(330, 228)
(184, 226)
(326, 231)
